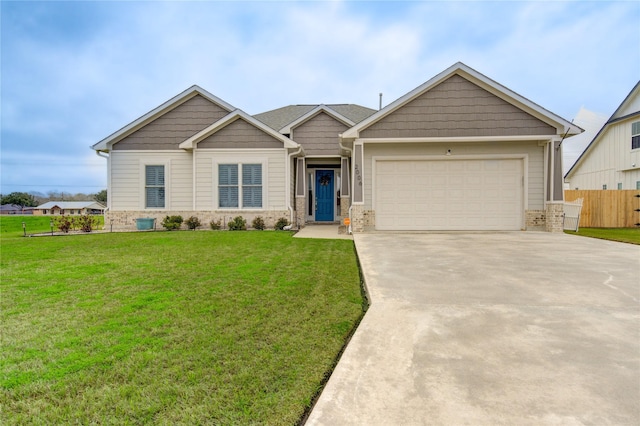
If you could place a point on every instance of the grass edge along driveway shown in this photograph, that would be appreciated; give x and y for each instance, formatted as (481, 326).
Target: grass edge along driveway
(171, 327)
(623, 235)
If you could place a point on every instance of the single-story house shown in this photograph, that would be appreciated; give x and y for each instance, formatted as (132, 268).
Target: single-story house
(459, 152)
(69, 208)
(612, 158)
(15, 209)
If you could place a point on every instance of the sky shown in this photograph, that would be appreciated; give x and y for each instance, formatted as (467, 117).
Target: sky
(72, 73)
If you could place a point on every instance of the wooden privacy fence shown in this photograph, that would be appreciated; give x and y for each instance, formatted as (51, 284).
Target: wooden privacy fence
(607, 208)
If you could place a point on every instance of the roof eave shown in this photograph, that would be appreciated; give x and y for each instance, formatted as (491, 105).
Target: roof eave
(105, 144)
(191, 142)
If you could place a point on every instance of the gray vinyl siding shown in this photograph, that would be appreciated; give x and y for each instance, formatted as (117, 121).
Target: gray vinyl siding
(319, 135)
(415, 150)
(169, 130)
(242, 135)
(274, 183)
(127, 179)
(457, 108)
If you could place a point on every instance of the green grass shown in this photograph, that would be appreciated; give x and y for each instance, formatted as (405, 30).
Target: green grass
(11, 225)
(624, 235)
(170, 327)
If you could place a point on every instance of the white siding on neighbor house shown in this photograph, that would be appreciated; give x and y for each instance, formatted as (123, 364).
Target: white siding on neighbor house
(127, 179)
(609, 161)
(534, 152)
(274, 180)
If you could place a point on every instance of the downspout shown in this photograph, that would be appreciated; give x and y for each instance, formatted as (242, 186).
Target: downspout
(102, 155)
(289, 206)
(350, 151)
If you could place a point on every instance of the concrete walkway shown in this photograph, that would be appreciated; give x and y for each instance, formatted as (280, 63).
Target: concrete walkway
(329, 231)
(516, 328)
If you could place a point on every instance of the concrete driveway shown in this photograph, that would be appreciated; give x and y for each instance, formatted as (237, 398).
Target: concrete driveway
(482, 329)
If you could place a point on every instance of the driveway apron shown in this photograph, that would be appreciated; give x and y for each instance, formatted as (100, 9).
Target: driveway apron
(522, 328)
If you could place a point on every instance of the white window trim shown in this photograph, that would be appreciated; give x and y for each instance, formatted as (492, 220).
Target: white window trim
(240, 161)
(167, 183)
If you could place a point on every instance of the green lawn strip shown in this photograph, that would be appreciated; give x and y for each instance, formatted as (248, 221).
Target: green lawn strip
(171, 327)
(624, 235)
(11, 225)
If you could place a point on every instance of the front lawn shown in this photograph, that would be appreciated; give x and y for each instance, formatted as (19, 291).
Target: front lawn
(171, 327)
(624, 235)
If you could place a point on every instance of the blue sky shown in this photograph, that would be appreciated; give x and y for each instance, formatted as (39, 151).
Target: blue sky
(74, 72)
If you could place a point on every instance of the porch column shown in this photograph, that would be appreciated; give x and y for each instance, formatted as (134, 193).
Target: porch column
(357, 206)
(554, 214)
(345, 187)
(301, 192)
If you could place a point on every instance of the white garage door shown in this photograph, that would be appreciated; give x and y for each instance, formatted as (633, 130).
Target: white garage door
(462, 195)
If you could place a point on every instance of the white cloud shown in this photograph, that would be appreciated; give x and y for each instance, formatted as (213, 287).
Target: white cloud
(60, 96)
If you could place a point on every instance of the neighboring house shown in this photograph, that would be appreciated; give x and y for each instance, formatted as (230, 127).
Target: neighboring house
(15, 209)
(612, 159)
(69, 208)
(460, 152)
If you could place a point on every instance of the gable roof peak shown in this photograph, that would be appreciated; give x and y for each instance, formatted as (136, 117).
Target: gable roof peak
(563, 126)
(175, 101)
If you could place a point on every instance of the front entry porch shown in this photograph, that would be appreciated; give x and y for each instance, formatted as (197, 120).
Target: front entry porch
(320, 191)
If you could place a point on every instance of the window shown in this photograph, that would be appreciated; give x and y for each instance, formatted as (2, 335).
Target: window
(230, 192)
(604, 186)
(619, 185)
(154, 186)
(638, 184)
(252, 185)
(635, 135)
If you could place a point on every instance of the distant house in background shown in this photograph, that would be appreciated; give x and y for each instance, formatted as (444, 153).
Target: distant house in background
(612, 159)
(15, 209)
(69, 208)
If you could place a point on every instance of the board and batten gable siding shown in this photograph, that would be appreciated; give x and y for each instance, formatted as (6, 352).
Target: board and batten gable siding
(172, 128)
(457, 108)
(127, 179)
(274, 175)
(319, 135)
(604, 163)
(435, 151)
(240, 135)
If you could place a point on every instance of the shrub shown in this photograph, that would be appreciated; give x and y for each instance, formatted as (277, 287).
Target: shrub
(215, 224)
(281, 223)
(87, 222)
(171, 223)
(238, 223)
(193, 223)
(258, 223)
(63, 223)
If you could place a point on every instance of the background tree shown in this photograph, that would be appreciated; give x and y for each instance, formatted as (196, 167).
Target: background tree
(20, 198)
(101, 197)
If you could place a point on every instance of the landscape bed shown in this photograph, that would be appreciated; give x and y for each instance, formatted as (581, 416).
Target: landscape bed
(171, 327)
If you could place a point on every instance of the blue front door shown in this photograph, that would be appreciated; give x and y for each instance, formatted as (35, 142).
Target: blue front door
(324, 195)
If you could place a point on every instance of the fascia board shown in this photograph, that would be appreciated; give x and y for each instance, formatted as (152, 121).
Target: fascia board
(320, 108)
(627, 99)
(237, 114)
(104, 144)
(481, 80)
(596, 139)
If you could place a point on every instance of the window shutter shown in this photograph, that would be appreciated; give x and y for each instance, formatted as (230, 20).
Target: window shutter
(228, 174)
(155, 175)
(252, 174)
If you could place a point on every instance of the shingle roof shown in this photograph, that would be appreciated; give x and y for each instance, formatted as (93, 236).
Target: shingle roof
(279, 118)
(71, 205)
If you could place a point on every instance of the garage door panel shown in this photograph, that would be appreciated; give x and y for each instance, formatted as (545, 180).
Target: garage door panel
(449, 194)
